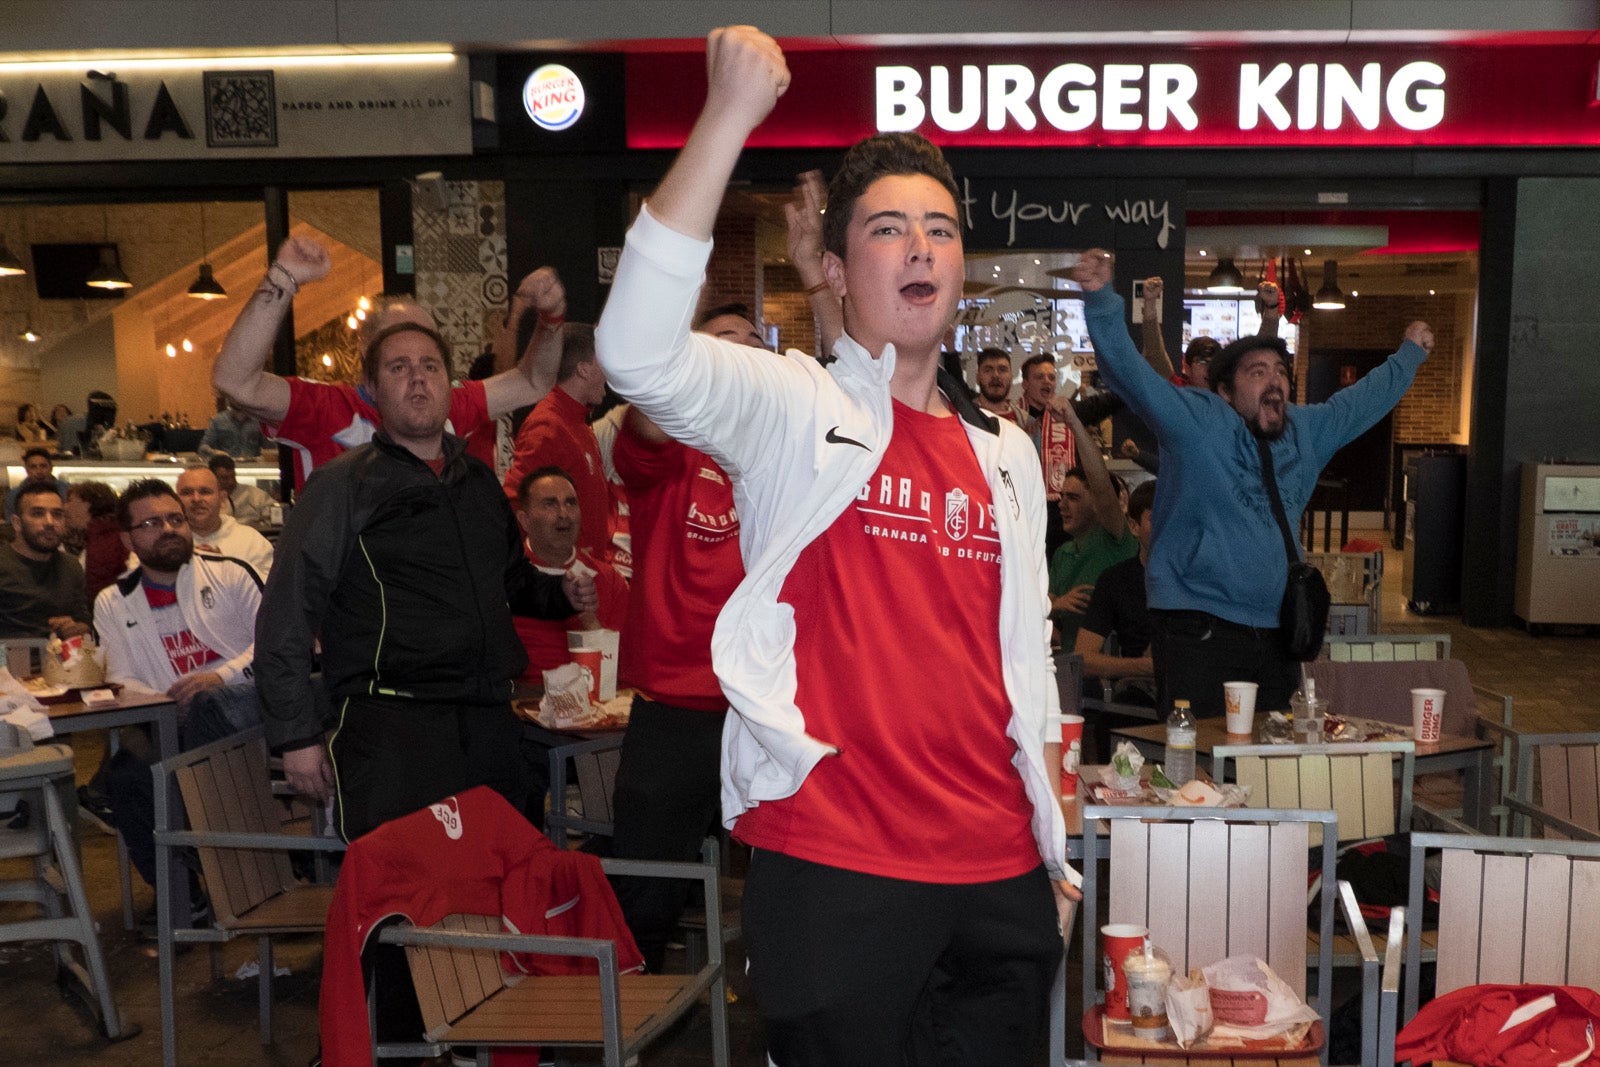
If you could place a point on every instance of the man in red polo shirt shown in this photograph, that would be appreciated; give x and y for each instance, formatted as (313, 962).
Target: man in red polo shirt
(686, 564)
(557, 434)
(319, 420)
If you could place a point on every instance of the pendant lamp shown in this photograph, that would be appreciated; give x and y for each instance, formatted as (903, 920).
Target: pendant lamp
(206, 286)
(1329, 297)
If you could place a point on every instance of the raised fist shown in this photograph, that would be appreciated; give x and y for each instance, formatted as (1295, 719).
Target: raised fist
(1420, 333)
(745, 74)
(1093, 270)
(543, 290)
(304, 259)
(1267, 297)
(1154, 287)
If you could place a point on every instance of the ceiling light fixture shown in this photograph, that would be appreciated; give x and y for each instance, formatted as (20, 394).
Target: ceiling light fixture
(10, 265)
(108, 275)
(206, 286)
(1225, 277)
(29, 334)
(1329, 297)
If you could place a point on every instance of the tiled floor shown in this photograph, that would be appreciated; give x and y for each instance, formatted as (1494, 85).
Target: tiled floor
(1555, 681)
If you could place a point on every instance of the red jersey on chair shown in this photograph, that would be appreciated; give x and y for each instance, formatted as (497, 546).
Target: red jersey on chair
(472, 854)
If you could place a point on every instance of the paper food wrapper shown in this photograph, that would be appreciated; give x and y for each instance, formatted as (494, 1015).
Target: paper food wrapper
(1126, 763)
(15, 694)
(1189, 1008)
(1248, 1000)
(565, 703)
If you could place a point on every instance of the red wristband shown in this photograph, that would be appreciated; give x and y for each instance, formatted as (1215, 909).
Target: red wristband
(552, 320)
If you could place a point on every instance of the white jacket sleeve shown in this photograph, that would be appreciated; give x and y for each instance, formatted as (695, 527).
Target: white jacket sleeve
(732, 402)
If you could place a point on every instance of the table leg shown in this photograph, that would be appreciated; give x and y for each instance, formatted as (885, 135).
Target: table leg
(166, 737)
(1475, 800)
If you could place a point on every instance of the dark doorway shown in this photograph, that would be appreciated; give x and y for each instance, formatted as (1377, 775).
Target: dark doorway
(1363, 464)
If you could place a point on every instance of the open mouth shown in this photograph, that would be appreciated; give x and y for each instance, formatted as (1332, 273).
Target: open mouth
(919, 291)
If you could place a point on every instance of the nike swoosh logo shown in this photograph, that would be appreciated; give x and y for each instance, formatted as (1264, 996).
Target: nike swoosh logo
(131, 623)
(833, 438)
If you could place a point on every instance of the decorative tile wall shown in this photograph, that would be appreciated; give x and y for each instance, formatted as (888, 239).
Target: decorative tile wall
(461, 262)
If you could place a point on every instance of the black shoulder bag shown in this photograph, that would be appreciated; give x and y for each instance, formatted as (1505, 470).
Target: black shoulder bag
(1303, 616)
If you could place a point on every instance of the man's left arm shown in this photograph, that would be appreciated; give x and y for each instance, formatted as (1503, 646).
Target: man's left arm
(535, 373)
(1354, 410)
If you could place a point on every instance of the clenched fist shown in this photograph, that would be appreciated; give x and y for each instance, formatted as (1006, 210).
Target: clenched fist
(1420, 333)
(1093, 270)
(304, 259)
(745, 74)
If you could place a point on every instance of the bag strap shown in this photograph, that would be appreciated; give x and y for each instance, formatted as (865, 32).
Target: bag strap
(1270, 477)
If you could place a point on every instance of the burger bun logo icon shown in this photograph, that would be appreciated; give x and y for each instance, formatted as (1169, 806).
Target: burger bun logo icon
(553, 97)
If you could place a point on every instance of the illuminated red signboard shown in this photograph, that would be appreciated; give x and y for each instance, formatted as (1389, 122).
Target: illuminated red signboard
(1392, 96)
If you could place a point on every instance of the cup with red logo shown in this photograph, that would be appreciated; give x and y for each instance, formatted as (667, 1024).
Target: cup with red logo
(1071, 753)
(1117, 942)
(1427, 715)
(590, 659)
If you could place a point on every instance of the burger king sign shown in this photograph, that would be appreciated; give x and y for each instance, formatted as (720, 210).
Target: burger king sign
(553, 97)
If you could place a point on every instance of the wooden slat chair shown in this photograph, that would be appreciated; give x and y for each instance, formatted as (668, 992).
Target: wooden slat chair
(466, 999)
(1209, 883)
(1356, 781)
(1510, 910)
(1561, 796)
(236, 827)
(1381, 689)
(1385, 648)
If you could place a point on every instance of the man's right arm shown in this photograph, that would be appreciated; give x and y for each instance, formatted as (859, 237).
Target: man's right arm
(240, 372)
(705, 392)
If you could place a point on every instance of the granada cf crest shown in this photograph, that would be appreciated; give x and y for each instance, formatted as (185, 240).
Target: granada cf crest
(955, 515)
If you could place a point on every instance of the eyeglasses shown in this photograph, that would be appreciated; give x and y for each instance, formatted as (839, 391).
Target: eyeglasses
(176, 521)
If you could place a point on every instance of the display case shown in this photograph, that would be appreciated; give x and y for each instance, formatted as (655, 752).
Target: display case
(119, 474)
(1558, 545)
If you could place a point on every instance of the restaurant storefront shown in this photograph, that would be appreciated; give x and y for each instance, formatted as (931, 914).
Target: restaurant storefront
(1435, 181)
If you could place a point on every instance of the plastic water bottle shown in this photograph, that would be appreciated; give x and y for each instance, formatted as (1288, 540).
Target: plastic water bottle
(1179, 763)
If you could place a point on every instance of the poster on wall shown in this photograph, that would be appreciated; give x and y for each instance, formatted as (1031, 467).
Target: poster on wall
(1575, 535)
(222, 109)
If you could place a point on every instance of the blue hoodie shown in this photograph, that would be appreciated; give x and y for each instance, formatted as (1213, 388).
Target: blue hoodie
(1217, 547)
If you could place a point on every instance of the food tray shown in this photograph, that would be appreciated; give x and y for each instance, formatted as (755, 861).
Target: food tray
(73, 693)
(1108, 1036)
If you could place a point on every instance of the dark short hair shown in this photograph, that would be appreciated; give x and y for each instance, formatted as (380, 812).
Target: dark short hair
(866, 162)
(548, 471)
(1226, 363)
(1141, 499)
(1202, 350)
(577, 348)
(100, 497)
(1033, 361)
(221, 461)
(37, 450)
(741, 310)
(143, 489)
(987, 354)
(35, 486)
(369, 354)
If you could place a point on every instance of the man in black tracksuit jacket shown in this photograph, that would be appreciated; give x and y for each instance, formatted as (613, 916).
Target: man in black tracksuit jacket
(402, 555)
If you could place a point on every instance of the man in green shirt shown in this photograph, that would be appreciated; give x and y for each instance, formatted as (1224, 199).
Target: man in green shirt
(1092, 514)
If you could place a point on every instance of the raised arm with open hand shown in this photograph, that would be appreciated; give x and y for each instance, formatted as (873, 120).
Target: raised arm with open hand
(745, 75)
(240, 372)
(804, 216)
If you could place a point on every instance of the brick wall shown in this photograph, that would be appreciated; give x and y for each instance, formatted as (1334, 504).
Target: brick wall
(787, 305)
(734, 273)
(1432, 409)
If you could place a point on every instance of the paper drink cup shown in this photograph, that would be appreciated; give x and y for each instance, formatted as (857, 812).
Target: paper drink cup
(1240, 700)
(1071, 753)
(590, 659)
(1427, 715)
(1147, 995)
(1117, 940)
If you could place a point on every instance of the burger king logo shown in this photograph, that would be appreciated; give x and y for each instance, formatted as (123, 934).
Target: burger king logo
(553, 97)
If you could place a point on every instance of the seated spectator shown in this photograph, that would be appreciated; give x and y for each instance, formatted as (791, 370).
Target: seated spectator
(41, 587)
(547, 511)
(1117, 608)
(249, 504)
(214, 532)
(93, 534)
(182, 624)
(37, 463)
(58, 415)
(32, 429)
(1091, 514)
(231, 432)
